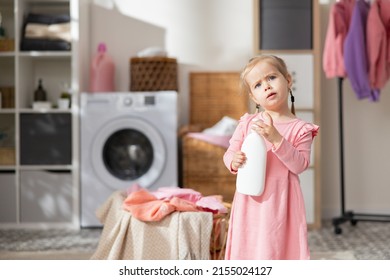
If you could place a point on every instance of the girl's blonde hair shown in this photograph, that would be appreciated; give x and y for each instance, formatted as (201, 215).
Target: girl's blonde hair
(276, 62)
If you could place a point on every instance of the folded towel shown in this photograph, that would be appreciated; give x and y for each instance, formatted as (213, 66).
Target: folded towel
(46, 18)
(44, 45)
(60, 31)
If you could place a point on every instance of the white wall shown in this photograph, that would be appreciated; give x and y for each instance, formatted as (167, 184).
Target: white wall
(201, 35)
(124, 37)
(217, 35)
(212, 34)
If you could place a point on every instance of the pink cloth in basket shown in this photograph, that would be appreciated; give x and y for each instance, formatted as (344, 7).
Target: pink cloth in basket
(155, 205)
(146, 207)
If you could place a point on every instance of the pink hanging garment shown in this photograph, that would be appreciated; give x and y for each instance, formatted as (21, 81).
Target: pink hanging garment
(339, 21)
(378, 43)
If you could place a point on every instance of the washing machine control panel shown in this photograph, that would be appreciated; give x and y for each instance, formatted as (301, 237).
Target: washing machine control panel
(139, 101)
(127, 101)
(149, 100)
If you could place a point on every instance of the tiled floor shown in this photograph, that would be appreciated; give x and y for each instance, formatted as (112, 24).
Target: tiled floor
(366, 240)
(48, 240)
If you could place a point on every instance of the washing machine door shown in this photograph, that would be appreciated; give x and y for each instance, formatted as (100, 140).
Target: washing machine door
(127, 151)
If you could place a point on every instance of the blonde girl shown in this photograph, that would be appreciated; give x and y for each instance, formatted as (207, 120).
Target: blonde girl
(273, 225)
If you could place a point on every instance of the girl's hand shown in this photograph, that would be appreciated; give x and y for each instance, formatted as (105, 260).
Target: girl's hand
(267, 130)
(239, 159)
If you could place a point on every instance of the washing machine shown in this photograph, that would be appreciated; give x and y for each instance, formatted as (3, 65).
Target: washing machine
(126, 138)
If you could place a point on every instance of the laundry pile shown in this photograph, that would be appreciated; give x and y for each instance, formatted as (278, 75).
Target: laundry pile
(180, 235)
(155, 205)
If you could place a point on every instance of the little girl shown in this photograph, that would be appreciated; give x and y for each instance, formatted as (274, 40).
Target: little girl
(271, 226)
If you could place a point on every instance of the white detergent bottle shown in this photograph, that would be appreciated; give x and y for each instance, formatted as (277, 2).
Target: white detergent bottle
(251, 176)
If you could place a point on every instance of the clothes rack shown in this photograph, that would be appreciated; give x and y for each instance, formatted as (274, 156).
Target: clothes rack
(350, 216)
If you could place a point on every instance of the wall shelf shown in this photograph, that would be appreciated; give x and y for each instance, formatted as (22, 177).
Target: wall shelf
(23, 186)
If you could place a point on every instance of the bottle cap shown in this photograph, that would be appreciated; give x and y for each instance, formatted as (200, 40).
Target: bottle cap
(102, 47)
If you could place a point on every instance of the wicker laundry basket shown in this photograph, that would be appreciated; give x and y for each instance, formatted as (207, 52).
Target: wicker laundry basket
(213, 95)
(153, 74)
(219, 234)
(204, 170)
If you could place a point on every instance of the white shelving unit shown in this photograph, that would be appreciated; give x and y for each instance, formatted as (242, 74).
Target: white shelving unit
(296, 40)
(39, 180)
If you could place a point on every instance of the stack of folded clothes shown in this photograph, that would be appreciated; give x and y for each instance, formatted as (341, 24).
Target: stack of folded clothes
(46, 33)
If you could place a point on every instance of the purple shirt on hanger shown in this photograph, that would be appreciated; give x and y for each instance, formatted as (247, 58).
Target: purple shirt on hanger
(355, 53)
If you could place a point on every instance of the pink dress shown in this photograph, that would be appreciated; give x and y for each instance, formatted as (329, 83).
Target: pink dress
(272, 226)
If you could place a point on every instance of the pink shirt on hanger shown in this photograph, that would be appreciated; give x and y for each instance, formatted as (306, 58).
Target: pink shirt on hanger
(339, 20)
(378, 43)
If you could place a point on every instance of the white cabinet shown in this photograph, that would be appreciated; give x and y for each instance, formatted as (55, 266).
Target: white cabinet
(301, 67)
(296, 41)
(38, 147)
(8, 211)
(46, 196)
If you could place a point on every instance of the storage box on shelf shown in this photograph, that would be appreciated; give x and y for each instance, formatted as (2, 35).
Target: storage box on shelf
(53, 187)
(7, 95)
(7, 38)
(7, 45)
(7, 156)
(7, 139)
